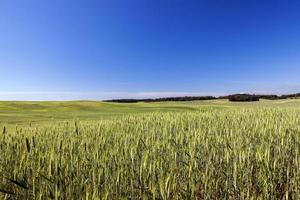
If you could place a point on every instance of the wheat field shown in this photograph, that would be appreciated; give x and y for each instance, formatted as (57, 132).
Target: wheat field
(236, 153)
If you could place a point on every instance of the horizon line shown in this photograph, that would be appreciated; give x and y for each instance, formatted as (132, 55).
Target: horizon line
(101, 96)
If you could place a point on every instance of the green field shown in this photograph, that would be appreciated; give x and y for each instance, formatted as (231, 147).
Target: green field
(168, 150)
(21, 113)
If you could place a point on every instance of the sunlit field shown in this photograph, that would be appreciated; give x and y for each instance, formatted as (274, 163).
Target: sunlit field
(168, 150)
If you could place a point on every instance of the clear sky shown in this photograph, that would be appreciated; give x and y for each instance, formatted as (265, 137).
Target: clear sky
(95, 49)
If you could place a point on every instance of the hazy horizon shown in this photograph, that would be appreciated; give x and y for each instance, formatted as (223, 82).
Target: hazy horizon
(65, 96)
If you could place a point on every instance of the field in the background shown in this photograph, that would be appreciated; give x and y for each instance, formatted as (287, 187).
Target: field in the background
(168, 150)
(35, 112)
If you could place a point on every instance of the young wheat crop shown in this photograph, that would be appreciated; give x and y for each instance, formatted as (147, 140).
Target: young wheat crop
(210, 154)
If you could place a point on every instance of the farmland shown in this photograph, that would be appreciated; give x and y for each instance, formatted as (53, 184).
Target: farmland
(167, 150)
(25, 112)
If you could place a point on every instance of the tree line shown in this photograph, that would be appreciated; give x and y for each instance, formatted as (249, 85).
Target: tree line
(185, 98)
(233, 97)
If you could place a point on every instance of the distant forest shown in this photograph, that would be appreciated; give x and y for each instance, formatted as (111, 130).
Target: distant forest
(233, 97)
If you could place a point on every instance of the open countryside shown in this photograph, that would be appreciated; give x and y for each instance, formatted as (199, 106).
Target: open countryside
(167, 150)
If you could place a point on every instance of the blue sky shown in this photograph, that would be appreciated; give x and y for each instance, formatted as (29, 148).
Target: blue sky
(93, 49)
